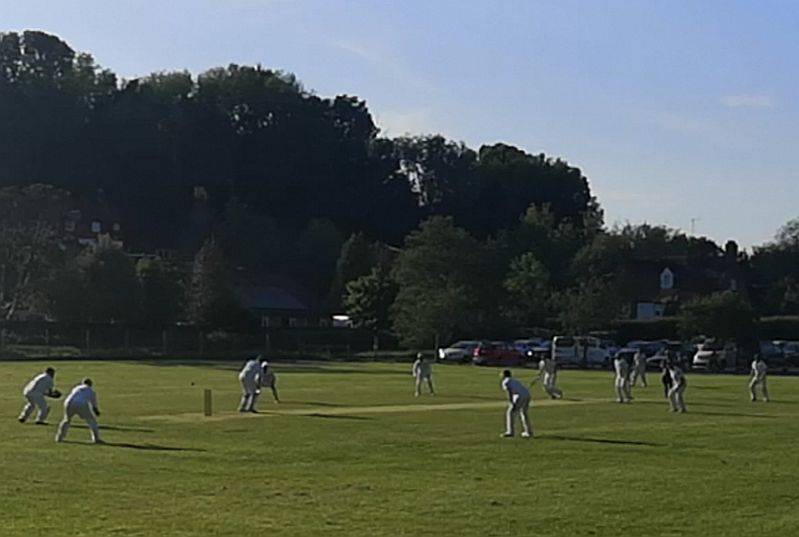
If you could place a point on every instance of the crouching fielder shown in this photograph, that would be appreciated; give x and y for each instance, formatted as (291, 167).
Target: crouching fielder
(269, 380)
(759, 369)
(677, 389)
(82, 402)
(622, 380)
(548, 370)
(250, 378)
(422, 371)
(518, 404)
(35, 391)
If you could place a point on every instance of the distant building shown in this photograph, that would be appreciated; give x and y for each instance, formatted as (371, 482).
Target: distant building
(278, 302)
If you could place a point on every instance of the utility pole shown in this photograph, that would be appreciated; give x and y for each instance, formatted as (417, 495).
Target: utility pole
(694, 220)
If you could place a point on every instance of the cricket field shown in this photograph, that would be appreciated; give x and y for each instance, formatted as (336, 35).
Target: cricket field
(350, 452)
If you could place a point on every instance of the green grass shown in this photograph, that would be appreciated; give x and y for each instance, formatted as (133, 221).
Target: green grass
(728, 467)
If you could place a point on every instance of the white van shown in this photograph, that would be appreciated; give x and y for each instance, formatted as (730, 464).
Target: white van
(567, 350)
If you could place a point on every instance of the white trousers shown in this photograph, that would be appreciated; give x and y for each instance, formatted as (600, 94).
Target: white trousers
(84, 411)
(418, 384)
(521, 407)
(763, 388)
(676, 397)
(623, 393)
(35, 400)
(549, 386)
(249, 397)
(639, 373)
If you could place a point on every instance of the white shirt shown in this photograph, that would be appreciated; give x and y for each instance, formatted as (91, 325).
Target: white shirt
(39, 385)
(759, 369)
(515, 388)
(621, 367)
(251, 370)
(81, 394)
(677, 375)
(422, 368)
(547, 365)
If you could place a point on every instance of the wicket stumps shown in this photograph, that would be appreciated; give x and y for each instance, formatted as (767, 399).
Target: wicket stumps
(207, 407)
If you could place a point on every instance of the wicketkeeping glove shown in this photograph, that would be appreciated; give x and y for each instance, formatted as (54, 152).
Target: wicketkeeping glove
(55, 394)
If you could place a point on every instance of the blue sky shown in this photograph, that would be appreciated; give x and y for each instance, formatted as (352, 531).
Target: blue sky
(674, 109)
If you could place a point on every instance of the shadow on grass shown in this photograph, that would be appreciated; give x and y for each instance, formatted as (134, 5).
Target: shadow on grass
(337, 417)
(601, 441)
(118, 428)
(733, 414)
(149, 447)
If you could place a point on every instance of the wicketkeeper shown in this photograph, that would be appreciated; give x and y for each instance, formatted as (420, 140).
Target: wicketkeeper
(82, 402)
(35, 391)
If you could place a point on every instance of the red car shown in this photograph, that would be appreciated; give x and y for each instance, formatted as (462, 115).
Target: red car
(497, 353)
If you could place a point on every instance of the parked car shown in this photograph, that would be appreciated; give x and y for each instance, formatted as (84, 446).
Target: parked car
(678, 351)
(649, 348)
(714, 355)
(525, 345)
(585, 350)
(497, 353)
(542, 350)
(773, 355)
(460, 351)
(789, 351)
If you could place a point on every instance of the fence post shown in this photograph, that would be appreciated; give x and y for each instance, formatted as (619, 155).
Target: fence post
(266, 342)
(47, 336)
(88, 340)
(127, 339)
(164, 340)
(2, 338)
(201, 342)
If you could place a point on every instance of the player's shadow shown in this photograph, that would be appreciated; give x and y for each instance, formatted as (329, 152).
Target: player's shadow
(590, 440)
(119, 428)
(734, 414)
(337, 417)
(149, 447)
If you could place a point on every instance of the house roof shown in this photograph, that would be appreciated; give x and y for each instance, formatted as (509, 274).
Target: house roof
(269, 298)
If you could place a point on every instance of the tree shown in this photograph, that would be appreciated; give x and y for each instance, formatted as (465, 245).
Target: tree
(162, 291)
(591, 305)
(368, 298)
(357, 259)
(30, 247)
(210, 299)
(443, 285)
(725, 316)
(527, 284)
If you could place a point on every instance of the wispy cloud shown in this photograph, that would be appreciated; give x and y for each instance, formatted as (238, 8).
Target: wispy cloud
(748, 100)
(386, 63)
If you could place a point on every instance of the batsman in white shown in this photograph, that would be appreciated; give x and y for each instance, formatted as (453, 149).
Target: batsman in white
(639, 368)
(759, 369)
(622, 380)
(677, 390)
(547, 368)
(81, 401)
(35, 391)
(422, 370)
(250, 378)
(269, 380)
(518, 404)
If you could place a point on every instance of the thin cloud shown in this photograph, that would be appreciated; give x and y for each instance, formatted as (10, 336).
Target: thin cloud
(748, 100)
(386, 63)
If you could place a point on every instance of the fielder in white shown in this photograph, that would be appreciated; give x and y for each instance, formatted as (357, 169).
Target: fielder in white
(422, 370)
(759, 369)
(250, 378)
(677, 390)
(269, 380)
(518, 404)
(639, 368)
(547, 368)
(622, 380)
(35, 391)
(82, 401)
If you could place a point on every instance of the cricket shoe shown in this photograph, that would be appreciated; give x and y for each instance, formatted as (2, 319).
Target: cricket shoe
(506, 435)
(527, 435)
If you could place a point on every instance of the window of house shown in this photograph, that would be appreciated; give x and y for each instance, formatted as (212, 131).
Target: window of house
(666, 279)
(96, 226)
